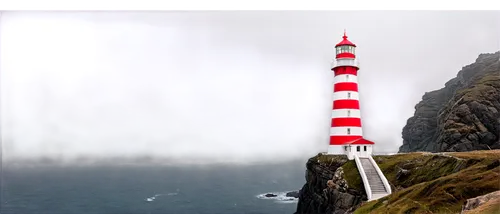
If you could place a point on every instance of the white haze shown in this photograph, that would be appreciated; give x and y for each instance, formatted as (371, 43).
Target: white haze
(217, 86)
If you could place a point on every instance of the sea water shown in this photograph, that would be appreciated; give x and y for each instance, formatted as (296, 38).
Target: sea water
(146, 189)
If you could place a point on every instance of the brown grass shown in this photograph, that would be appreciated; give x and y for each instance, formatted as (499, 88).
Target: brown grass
(483, 154)
(437, 183)
(488, 82)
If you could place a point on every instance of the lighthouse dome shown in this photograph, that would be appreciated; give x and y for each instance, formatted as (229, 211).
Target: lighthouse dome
(345, 48)
(345, 41)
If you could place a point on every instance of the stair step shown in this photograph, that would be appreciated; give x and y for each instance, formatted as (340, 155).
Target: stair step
(374, 181)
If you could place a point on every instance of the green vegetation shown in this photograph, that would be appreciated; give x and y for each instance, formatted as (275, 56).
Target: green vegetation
(435, 183)
(480, 89)
(329, 159)
(352, 176)
(351, 173)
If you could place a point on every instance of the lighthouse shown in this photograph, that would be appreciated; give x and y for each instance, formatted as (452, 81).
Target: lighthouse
(346, 132)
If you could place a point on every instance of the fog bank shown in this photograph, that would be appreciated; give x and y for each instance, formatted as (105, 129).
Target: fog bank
(217, 86)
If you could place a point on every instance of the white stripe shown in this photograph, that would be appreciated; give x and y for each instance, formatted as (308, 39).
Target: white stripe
(343, 131)
(356, 113)
(345, 95)
(344, 62)
(345, 78)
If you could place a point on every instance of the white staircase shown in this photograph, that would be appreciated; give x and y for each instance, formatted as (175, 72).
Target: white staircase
(376, 185)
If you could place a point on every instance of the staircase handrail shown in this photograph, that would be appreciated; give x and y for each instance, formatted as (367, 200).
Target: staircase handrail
(363, 177)
(381, 175)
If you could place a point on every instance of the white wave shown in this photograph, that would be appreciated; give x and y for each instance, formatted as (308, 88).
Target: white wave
(279, 198)
(152, 198)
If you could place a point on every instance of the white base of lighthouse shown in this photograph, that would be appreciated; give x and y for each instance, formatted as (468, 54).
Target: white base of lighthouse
(336, 150)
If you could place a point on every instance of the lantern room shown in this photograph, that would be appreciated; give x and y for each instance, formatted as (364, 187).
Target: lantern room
(345, 48)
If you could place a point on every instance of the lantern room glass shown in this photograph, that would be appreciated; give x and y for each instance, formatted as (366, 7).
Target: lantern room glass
(345, 49)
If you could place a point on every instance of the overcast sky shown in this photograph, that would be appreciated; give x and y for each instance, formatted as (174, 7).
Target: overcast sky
(220, 85)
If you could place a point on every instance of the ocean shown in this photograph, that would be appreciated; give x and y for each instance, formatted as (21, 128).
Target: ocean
(215, 189)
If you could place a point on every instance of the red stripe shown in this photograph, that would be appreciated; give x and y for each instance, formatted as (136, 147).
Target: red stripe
(345, 86)
(346, 122)
(343, 104)
(345, 70)
(339, 140)
(345, 55)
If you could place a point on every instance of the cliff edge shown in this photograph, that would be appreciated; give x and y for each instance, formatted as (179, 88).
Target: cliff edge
(421, 183)
(462, 116)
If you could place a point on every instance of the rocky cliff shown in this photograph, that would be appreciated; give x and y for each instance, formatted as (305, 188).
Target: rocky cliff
(462, 116)
(328, 188)
(421, 183)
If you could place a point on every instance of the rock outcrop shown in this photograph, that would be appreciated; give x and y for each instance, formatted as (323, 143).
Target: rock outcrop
(489, 203)
(326, 189)
(462, 116)
(421, 183)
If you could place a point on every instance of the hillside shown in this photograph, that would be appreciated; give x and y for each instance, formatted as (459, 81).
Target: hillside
(421, 183)
(462, 116)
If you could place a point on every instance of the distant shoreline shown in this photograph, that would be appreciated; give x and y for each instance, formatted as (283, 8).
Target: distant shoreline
(30, 161)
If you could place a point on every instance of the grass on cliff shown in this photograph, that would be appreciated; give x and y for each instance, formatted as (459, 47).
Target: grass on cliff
(352, 176)
(488, 82)
(351, 173)
(436, 183)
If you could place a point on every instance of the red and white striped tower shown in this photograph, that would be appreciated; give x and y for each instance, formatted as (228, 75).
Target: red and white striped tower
(346, 117)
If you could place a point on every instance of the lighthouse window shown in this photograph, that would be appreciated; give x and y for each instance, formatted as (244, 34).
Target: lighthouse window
(348, 95)
(348, 130)
(365, 148)
(358, 149)
(348, 113)
(351, 49)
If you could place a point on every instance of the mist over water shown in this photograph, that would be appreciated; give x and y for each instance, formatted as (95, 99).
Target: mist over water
(214, 87)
